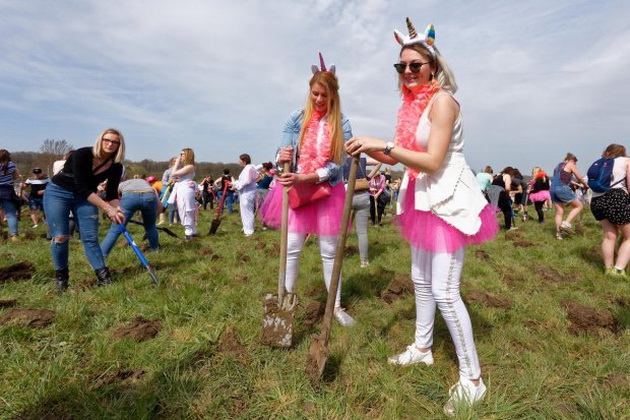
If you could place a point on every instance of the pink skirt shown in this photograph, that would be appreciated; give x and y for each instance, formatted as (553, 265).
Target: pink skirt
(323, 217)
(542, 195)
(427, 231)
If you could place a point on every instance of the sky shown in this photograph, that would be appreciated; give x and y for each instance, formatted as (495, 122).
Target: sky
(537, 79)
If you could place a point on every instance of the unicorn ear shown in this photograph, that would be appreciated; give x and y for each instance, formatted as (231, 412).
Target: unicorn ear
(332, 69)
(429, 35)
(314, 68)
(400, 38)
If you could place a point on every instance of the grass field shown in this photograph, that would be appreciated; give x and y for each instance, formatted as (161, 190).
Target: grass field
(552, 332)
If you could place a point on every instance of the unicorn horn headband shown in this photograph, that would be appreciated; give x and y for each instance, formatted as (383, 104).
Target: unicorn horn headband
(322, 66)
(427, 40)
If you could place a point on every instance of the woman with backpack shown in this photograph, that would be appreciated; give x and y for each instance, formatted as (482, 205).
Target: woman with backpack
(562, 194)
(612, 210)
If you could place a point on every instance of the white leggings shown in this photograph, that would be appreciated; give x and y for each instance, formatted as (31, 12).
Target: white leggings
(436, 276)
(327, 248)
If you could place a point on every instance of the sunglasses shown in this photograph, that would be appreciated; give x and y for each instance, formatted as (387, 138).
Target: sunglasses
(114, 142)
(414, 67)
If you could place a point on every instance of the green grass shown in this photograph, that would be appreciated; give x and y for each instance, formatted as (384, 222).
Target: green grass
(534, 367)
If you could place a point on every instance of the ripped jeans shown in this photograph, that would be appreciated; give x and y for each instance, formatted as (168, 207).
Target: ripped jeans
(58, 202)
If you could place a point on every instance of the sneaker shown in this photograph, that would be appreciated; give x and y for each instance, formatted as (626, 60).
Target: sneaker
(343, 318)
(365, 264)
(565, 226)
(464, 393)
(35, 226)
(187, 238)
(14, 238)
(616, 273)
(412, 356)
(559, 235)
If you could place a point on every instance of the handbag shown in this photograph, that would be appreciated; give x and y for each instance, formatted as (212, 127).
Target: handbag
(303, 194)
(361, 184)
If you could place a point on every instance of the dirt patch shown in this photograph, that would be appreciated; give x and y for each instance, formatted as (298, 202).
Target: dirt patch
(617, 380)
(229, 344)
(34, 318)
(397, 289)
(482, 255)
(312, 313)
(351, 250)
(111, 378)
(550, 275)
(7, 303)
(243, 257)
(21, 271)
(275, 250)
(139, 329)
(144, 247)
(207, 252)
(587, 320)
(522, 243)
(259, 246)
(488, 299)
(579, 229)
(241, 278)
(619, 301)
(512, 235)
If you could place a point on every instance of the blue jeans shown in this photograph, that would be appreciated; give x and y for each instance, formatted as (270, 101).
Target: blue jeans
(10, 211)
(58, 202)
(229, 200)
(130, 203)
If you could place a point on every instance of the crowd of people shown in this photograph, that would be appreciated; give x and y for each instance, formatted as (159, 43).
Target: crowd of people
(441, 206)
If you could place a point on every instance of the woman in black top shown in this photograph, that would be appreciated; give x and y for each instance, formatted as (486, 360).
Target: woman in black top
(74, 189)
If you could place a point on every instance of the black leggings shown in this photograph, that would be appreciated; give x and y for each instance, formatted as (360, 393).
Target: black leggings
(539, 210)
(506, 208)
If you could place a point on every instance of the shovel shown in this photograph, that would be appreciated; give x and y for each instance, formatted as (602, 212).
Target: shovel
(163, 229)
(318, 352)
(139, 254)
(277, 330)
(217, 221)
(165, 196)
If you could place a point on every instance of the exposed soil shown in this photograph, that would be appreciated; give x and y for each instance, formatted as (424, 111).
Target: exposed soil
(551, 275)
(111, 378)
(229, 344)
(512, 279)
(512, 235)
(259, 245)
(244, 258)
(488, 299)
(7, 303)
(139, 329)
(21, 271)
(587, 320)
(351, 250)
(206, 252)
(34, 318)
(579, 229)
(482, 255)
(275, 250)
(241, 278)
(522, 243)
(619, 301)
(397, 289)
(312, 313)
(617, 380)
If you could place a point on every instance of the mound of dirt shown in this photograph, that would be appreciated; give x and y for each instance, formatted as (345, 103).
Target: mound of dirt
(21, 271)
(617, 380)
(7, 303)
(111, 378)
(397, 289)
(351, 250)
(587, 320)
(229, 344)
(550, 275)
(34, 318)
(244, 258)
(482, 255)
(522, 243)
(312, 313)
(488, 299)
(140, 329)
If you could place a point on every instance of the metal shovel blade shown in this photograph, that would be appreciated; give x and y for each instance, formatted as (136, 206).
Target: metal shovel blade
(316, 358)
(277, 330)
(214, 226)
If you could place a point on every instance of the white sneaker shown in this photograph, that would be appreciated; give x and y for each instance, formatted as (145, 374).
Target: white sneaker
(464, 393)
(412, 356)
(565, 226)
(343, 318)
(365, 264)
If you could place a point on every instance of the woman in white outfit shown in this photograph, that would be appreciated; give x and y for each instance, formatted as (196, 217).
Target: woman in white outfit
(246, 187)
(184, 191)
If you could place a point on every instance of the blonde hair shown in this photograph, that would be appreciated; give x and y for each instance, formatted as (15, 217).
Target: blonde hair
(189, 156)
(97, 149)
(331, 85)
(535, 170)
(443, 73)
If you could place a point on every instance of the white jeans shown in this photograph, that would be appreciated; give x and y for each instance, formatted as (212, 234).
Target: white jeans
(247, 200)
(327, 248)
(436, 277)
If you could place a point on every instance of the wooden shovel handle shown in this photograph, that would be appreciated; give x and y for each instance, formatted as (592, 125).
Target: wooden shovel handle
(284, 237)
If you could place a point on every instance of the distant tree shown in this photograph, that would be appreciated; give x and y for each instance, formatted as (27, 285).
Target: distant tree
(55, 147)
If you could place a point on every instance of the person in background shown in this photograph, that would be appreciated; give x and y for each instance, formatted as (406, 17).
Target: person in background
(155, 183)
(207, 192)
(168, 180)
(484, 179)
(361, 207)
(36, 196)
(8, 199)
(499, 194)
(184, 189)
(312, 141)
(246, 187)
(377, 186)
(612, 210)
(539, 192)
(136, 195)
(74, 189)
(441, 209)
(562, 194)
(263, 183)
(58, 164)
(224, 184)
(519, 185)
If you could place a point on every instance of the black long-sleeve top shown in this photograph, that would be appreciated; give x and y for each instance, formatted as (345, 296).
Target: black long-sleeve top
(77, 175)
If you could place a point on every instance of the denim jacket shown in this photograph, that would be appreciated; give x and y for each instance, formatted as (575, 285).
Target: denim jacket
(290, 136)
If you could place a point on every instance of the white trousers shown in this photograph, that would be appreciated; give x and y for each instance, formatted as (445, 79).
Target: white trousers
(247, 201)
(186, 207)
(327, 248)
(436, 278)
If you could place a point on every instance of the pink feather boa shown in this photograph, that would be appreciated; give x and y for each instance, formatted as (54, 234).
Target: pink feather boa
(314, 150)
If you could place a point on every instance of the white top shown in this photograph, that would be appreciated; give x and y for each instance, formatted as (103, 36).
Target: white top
(247, 178)
(452, 192)
(618, 173)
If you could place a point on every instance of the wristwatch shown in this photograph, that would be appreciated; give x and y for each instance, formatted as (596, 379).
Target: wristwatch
(388, 147)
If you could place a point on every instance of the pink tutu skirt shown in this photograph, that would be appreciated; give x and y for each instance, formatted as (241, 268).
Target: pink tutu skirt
(427, 231)
(542, 195)
(322, 217)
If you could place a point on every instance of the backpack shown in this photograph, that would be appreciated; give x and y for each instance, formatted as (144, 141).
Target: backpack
(600, 175)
